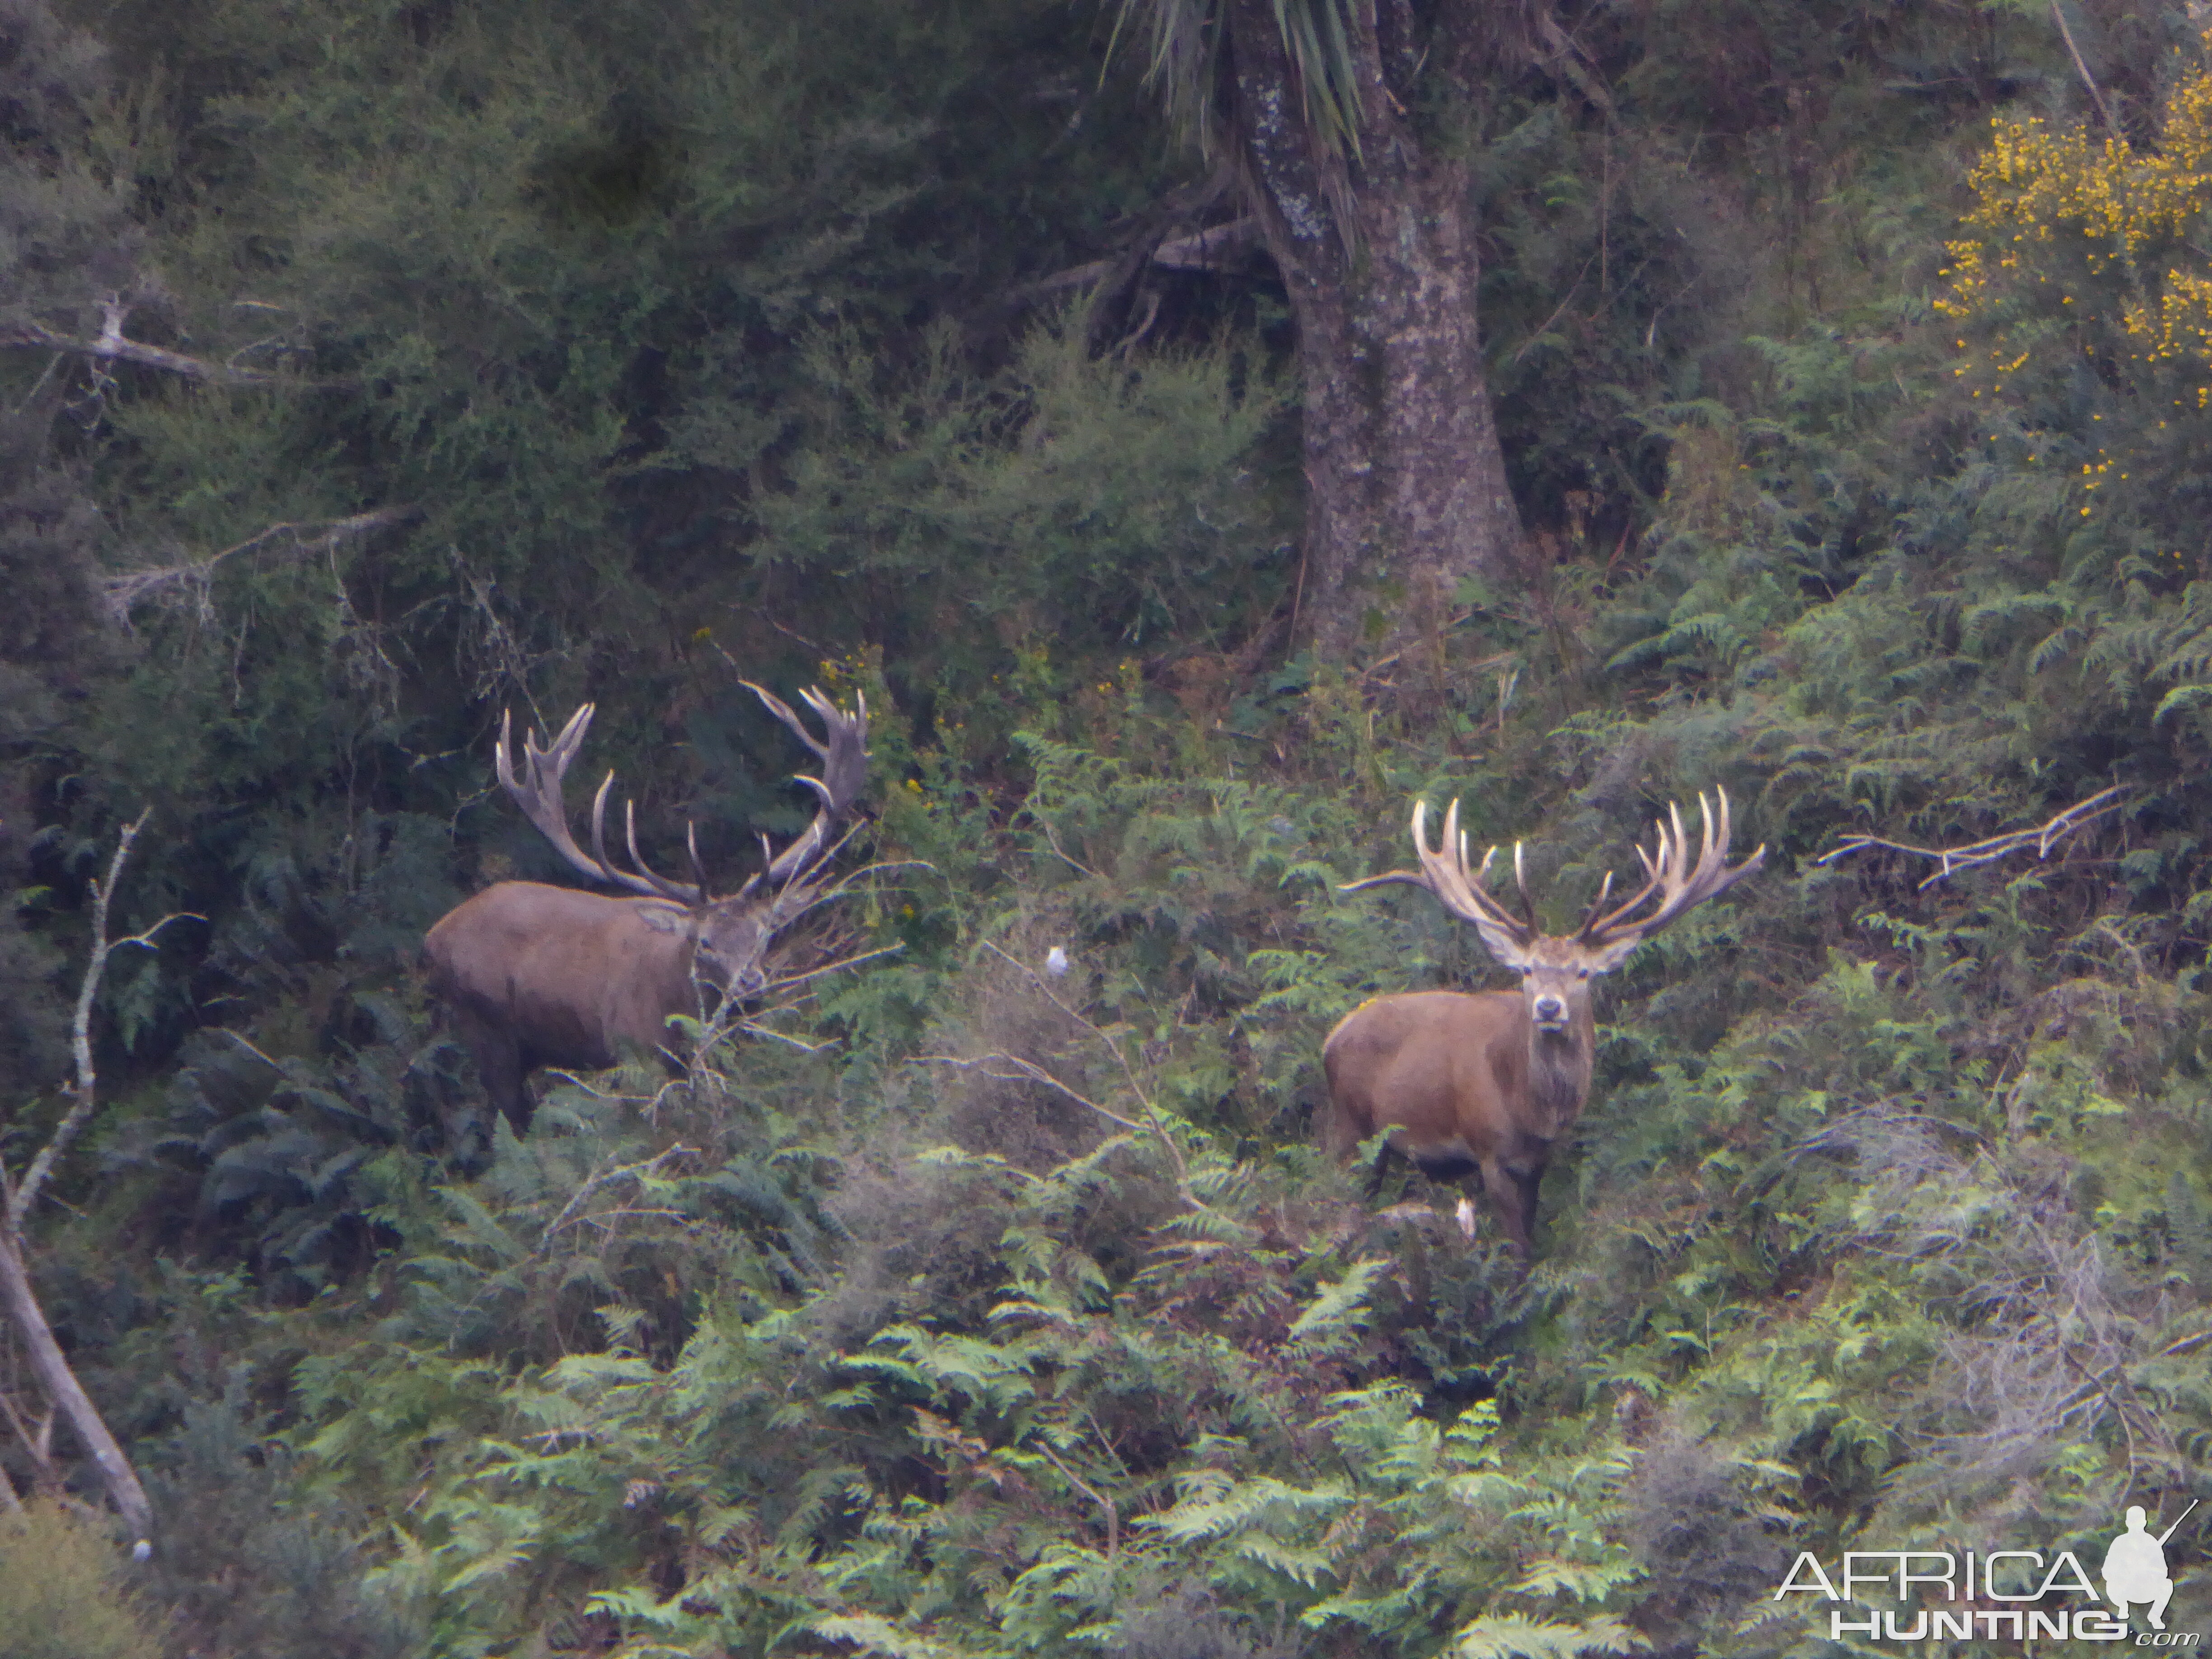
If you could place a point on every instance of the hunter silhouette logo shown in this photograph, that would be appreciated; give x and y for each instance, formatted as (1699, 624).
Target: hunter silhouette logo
(2134, 1567)
(2037, 1596)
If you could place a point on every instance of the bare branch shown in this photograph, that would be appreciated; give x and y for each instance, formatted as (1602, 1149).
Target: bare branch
(124, 593)
(2096, 97)
(1030, 1071)
(20, 1200)
(642, 1171)
(17, 1293)
(1158, 1125)
(1113, 1515)
(1950, 859)
(838, 967)
(36, 1445)
(112, 347)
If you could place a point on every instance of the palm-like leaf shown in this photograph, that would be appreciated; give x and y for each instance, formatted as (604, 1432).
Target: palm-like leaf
(1188, 41)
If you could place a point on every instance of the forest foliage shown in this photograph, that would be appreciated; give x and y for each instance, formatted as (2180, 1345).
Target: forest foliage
(1849, 367)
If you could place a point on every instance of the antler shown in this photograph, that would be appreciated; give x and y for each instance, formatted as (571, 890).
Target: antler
(1443, 873)
(1678, 886)
(538, 795)
(843, 750)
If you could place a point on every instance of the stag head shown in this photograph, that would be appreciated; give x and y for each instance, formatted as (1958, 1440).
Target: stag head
(732, 933)
(1556, 968)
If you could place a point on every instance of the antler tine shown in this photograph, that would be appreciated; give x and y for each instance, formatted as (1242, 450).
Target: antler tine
(1520, 881)
(843, 751)
(645, 881)
(1445, 874)
(698, 870)
(1678, 886)
(1598, 903)
(537, 793)
(600, 826)
(784, 712)
(666, 888)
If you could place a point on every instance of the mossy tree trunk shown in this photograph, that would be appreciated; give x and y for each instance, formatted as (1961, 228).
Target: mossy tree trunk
(1406, 485)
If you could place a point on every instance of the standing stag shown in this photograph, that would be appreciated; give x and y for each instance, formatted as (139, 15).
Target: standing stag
(542, 975)
(1485, 1083)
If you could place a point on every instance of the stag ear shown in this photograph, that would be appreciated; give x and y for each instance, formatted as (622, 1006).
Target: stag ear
(1499, 941)
(664, 918)
(1604, 959)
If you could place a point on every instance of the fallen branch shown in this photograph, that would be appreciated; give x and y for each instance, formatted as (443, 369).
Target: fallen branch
(124, 593)
(1951, 860)
(2096, 97)
(17, 1293)
(113, 347)
(20, 1200)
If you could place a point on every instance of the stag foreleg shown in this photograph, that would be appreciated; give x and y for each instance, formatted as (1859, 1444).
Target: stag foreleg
(1512, 1189)
(502, 1069)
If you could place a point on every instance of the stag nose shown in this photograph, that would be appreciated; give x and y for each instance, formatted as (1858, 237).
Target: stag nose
(1551, 1010)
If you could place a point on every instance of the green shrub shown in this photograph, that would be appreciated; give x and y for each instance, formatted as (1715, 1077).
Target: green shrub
(63, 1594)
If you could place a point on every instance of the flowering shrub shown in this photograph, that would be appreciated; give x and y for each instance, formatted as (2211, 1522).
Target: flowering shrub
(2095, 236)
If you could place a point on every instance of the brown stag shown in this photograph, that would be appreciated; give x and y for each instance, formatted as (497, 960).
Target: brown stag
(1485, 1084)
(542, 975)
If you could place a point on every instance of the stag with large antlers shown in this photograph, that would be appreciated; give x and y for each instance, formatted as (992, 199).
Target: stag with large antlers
(542, 975)
(1486, 1085)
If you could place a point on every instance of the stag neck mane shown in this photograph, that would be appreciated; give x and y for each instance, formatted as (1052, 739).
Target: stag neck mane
(1561, 1065)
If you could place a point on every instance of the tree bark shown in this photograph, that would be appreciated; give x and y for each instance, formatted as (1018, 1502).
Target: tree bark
(1406, 491)
(68, 1394)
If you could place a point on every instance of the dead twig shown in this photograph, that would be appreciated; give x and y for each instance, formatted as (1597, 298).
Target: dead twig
(1029, 1071)
(1113, 1515)
(641, 1172)
(112, 347)
(1951, 860)
(17, 1294)
(26, 1194)
(837, 967)
(1158, 1125)
(124, 593)
(2096, 96)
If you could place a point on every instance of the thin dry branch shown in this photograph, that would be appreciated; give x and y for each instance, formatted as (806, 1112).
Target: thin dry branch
(124, 593)
(20, 1200)
(17, 1293)
(113, 346)
(837, 967)
(36, 1444)
(2096, 94)
(1951, 860)
(1029, 1071)
(642, 1171)
(1105, 1503)
(1225, 248)
(1129, 1074)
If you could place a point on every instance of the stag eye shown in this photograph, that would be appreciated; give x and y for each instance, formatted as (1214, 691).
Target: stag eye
(1582, 973)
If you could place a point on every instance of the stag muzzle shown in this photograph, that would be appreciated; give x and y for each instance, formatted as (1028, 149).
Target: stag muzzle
(745, 983)
(1549, 1014)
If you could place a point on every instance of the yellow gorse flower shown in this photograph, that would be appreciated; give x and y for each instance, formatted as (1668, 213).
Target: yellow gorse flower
(2126, 213)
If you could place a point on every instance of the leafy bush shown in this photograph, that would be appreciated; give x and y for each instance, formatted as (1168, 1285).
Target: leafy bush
(64, 1592)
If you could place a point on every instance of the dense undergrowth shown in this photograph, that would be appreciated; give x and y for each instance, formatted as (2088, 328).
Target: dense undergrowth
(959, 1308)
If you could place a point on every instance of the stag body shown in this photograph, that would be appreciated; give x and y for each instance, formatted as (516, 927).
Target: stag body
(1485, 1084)
(542, 975)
